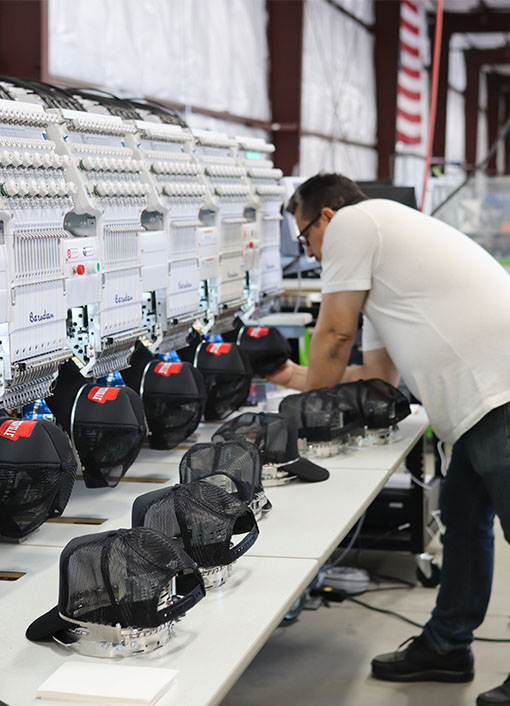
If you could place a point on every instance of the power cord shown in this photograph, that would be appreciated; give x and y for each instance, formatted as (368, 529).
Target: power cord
(393, 613)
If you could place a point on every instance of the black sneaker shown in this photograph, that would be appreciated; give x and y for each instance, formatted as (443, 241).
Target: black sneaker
(500, 696)
(419, 663)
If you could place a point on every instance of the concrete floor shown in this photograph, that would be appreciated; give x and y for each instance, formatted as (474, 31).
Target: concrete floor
(324, 658)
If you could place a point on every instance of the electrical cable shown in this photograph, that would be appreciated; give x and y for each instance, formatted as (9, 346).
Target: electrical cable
(393, 613)
(442, 456)
(433, 95)
(417, 482)
(386, 577)
(503, 133)
(383, 536)
(351, 542)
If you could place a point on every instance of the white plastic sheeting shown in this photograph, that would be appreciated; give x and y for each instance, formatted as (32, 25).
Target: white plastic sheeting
(317, 154)
(338, 90)
(208, 53)
(455, 147)
(456, 63)
(229, 127)
(482, 142)
(362, 9)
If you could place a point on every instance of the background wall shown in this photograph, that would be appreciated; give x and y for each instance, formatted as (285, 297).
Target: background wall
(211, 54)
(338, 90)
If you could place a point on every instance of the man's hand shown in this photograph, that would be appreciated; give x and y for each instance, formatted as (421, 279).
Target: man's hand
(283, 375)
(289, 375)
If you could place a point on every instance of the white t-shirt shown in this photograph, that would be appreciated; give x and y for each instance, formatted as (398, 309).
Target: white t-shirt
(437, 301)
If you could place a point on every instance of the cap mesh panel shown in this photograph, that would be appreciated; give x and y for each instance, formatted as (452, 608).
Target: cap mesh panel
(31, 493)
(378, 403)
(319, 415)
(119, 578)
(225, 394)
(172, 420)
(236, 461)
(268, 432)
(111, 449)
(204, 516)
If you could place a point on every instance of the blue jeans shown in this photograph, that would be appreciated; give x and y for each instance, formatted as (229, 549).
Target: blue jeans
(476, 487)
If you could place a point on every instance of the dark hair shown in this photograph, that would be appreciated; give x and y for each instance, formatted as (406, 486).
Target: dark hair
(332, 190)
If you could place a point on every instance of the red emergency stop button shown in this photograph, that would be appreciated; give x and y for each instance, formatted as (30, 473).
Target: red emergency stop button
(250, 244)
(80, 269)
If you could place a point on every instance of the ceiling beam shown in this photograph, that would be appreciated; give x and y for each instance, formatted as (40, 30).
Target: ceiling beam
(285, 41)
(387, 52)
(493, 102)
(476, 22)
(24, 39)
(475, 59)
(471, 110)
(479, 57)
(506, 116)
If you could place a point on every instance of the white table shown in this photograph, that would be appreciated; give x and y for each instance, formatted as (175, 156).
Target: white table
(311, 519)
(390, 456)
(222, 634)
(212, 646)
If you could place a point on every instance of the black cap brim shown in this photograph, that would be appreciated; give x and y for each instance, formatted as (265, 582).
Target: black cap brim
(47, 626)
(306, 470)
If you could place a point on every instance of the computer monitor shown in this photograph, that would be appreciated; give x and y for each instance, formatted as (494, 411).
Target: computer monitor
(384, 189)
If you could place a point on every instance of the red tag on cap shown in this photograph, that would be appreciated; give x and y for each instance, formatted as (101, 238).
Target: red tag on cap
(218, 348)
(103, 394)
(14, 428)
(257, 331)
(167, 369)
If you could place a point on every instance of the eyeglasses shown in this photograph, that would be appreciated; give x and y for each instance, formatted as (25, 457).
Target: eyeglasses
(301, 237)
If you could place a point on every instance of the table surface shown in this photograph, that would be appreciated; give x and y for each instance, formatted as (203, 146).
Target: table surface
(211, 647)
(221, 635)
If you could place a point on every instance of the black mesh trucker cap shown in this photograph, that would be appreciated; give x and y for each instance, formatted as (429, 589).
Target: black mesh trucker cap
(106, 425)
(266, 348)
(227, 375)
(118, 580)
(277, 441)
(377, 403)
(203, 516)
(235, 466)
(173, 396)
(319, 415)
(37, 472)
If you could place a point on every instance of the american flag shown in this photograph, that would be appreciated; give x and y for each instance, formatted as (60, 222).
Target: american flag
(410, 76)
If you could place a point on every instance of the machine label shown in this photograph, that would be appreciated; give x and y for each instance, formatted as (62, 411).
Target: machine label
(36, 318)
(122, 299)
(103, 394)
(14, 428)
(72, 253)
(184, 285)
(167, 369)
(88, 251)
(218, 348)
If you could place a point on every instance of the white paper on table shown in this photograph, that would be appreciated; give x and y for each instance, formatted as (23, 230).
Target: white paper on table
(115, 685)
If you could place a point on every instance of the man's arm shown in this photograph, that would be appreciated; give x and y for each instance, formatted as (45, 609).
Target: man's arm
(376, 364)
(333, 337)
